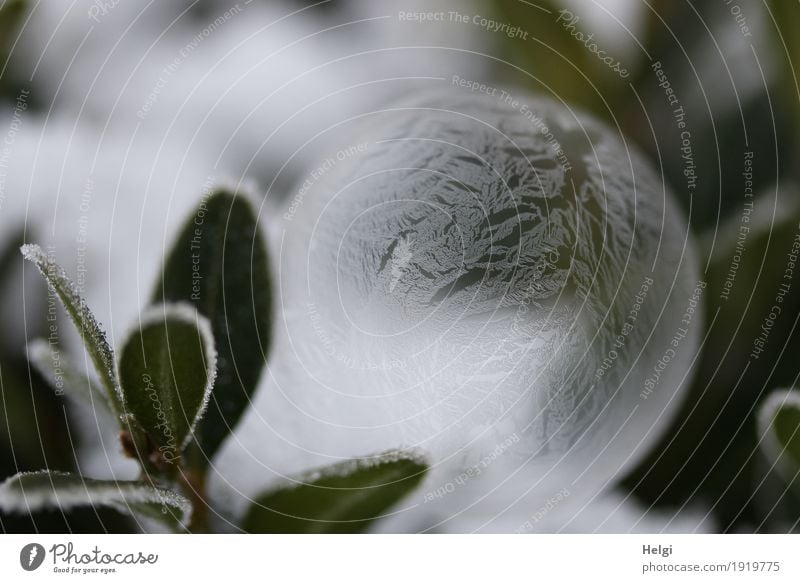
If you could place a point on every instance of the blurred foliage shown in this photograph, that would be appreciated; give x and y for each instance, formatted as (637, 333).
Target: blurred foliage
(785, 16)
(549, 60)
(710, 457)
(169, 359)
(219, 264)
(9, 252)
(34, 431)
(11, 14)
(342, 499)
(779, 425)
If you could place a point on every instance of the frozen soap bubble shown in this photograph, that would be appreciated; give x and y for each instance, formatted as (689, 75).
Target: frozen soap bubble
(496, 283)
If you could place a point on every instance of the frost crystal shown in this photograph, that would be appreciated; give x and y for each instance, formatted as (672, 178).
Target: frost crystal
(486, 271)
(33, 491)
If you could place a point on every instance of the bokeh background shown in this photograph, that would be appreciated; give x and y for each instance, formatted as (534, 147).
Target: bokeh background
(116, 116)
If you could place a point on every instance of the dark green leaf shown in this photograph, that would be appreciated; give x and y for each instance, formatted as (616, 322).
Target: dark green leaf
(167, 369)
(94, 338)
(345, 498)
(219, 263)
(33, 491)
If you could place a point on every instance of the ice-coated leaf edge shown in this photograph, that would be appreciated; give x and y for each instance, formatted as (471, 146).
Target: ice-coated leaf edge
(347, 467)
(90, 330)
(186, 314)
(245, 187)
(40, 357)
(121, 496)
(773, 449)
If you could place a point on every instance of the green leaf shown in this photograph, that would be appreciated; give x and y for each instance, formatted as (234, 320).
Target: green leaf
(63, 376)
(29, 492)
(219, 264)
(779, 429)
(92, 334)
(167, 368)
(344, 498)
(745, 275)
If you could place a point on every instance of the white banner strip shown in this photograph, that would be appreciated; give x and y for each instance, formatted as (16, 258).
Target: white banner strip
(400, 558)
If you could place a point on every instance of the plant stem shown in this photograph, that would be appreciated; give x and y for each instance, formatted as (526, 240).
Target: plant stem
(194, 487)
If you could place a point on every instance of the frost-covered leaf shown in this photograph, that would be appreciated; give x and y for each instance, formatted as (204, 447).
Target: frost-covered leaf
(779, 430)
(344, 498)
(167, 369)
(63, 376)
(32, 422)
(785, 17)
(219, 263)
(32, 491)
(11, 16)
(94, 337)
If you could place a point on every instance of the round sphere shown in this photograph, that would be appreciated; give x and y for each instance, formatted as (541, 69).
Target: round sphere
(496, 280)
